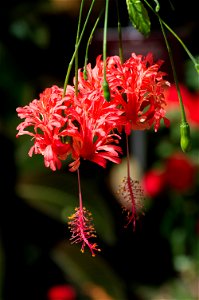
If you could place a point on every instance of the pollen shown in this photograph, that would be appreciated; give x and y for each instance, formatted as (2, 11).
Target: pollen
(82, 229)
(132, 197)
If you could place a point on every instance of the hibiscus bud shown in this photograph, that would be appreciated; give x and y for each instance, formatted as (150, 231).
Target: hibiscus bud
(85, 74)
(185, 139)
(106, 90)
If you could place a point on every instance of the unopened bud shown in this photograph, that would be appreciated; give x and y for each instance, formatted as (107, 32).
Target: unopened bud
(85, 74)
(106, 90)
(185, 137)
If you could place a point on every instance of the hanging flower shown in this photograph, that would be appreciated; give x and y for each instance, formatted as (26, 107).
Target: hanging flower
(92, 85)
(95, 138)
(141, 86)
(45, 122)
(138, 87)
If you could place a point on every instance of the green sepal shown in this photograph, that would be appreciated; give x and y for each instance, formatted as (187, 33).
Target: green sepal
(138, 16)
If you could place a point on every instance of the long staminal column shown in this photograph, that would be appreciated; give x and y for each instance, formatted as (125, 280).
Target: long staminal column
(131, 193)
(81, 225)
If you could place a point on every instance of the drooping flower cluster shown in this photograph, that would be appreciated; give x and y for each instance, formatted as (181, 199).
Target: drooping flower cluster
(83, 125)
(88, 127)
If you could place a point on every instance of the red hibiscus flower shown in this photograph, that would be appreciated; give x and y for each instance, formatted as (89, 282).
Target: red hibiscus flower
(45, 122)
(92, 85)
(141, 86)
(95, 137)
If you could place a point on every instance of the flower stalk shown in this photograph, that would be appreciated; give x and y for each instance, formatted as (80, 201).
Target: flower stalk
(105, 84)
(195, 63)
(88, 44)
(119, 28)
(131, 193)
(76, 49)
(185, 137)
(76, 46)
(81, 227)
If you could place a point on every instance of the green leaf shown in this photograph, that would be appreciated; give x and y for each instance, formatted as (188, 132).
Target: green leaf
(50, 201)
(138, 16)
(88, 272)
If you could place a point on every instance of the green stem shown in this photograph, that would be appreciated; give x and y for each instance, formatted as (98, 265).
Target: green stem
(196, 64)
(105, 34)
(76, 55)
(183, 115)
(105, 83)
(79, 189)
(128, 157)
(185, 138)
(76, 49)
(88, 44)
(119, 34)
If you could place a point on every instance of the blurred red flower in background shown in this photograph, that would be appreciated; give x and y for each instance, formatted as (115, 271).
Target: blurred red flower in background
(61, 292)
(178, 172)
(190, 100)
(153, 182)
